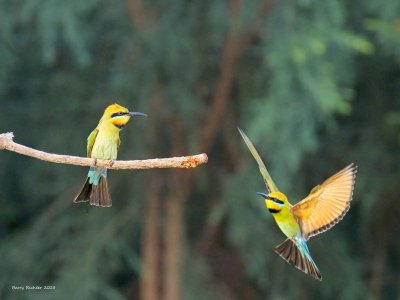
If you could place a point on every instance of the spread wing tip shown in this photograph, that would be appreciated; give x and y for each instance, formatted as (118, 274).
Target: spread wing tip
(353, 168)
(325, 199)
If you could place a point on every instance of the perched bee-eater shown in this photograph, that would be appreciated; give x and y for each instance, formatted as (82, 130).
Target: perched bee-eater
(103, 143)
(323, 208)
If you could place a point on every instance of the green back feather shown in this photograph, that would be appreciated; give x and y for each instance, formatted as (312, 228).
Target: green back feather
(90, 141)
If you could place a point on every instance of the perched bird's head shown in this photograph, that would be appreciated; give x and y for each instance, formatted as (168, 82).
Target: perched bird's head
(118, 115)
(274, 201)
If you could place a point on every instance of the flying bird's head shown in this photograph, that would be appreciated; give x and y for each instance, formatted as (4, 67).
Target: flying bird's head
(118, 115)
(274, 201)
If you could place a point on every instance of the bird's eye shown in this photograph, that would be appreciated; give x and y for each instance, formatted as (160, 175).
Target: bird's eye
(117, 114)
(276, 200)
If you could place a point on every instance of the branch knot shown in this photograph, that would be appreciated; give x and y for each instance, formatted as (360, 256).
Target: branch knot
(5, 139)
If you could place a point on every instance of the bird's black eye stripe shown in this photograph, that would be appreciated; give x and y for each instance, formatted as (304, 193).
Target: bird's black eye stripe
(117, 114)
(276, 200)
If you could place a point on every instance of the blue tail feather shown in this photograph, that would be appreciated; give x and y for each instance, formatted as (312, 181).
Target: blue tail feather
(95, 174)
(303, 248)
(95, 190)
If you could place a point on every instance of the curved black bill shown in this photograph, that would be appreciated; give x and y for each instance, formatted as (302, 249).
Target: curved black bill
(135, 113)
(265, 196)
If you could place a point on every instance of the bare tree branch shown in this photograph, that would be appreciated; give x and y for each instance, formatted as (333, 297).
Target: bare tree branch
(150, 278)
(183, 162)
(238, 40)
(141, 17)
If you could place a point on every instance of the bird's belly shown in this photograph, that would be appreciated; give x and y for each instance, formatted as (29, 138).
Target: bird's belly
(105, 148)
(288, 225)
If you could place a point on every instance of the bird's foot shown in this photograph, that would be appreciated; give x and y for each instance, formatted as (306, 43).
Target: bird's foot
(94, 161)
(111, 163)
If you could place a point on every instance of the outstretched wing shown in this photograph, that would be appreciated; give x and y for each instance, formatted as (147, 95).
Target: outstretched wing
(327, 203)
(90, 141)
(271, 187)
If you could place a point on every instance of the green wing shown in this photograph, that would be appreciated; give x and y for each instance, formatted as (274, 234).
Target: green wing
(90, 141)
(271, 187)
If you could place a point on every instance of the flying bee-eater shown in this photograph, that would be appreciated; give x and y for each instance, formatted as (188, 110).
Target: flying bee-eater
(323, 208)
(103, 143)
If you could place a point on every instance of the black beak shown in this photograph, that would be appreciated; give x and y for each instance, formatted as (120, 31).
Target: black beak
(135, 113)
(265, 196)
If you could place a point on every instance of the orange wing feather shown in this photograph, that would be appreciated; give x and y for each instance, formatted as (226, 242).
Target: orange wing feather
(327, 203)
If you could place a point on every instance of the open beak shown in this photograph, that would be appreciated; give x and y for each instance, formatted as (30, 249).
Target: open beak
(265, 196)
(135, 113)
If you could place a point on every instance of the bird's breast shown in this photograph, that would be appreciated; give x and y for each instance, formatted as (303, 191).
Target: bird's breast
(105, 146)
(287, 222)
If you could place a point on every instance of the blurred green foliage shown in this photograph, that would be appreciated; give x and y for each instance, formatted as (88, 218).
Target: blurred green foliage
(316, 88)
